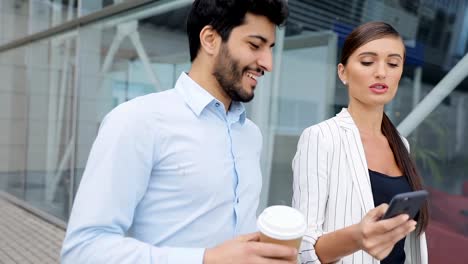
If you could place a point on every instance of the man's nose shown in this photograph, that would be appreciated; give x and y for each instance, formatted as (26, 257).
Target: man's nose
(265, 61)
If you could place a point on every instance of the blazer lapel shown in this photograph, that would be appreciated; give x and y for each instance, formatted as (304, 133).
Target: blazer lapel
(356, 158)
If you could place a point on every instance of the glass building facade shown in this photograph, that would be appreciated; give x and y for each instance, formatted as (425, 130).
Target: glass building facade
(64, 64)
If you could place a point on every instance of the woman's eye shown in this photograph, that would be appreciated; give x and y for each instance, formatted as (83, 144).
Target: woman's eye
(393, 65)
(366, 63)
(253, 46)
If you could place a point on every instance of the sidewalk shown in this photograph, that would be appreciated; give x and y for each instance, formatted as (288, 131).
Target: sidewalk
(26, 238)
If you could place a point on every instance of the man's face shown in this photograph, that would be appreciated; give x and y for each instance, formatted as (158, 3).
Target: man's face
(242, 60)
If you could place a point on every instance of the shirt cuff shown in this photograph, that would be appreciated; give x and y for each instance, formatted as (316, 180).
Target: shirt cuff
(185, 255)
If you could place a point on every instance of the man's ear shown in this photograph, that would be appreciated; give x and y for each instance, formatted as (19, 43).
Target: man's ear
(209, 40)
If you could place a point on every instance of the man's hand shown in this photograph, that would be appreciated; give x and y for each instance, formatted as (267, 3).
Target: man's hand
(248, 249)
(377, 237)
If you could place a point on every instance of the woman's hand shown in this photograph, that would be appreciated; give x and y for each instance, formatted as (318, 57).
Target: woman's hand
(378, 237)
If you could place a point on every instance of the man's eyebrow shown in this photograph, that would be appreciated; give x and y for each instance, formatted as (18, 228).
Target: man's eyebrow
(375, 54)
(262, 39)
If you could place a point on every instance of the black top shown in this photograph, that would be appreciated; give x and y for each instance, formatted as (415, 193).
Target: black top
(384, 187)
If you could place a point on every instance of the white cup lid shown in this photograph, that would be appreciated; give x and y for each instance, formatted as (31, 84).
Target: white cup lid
(281, 222)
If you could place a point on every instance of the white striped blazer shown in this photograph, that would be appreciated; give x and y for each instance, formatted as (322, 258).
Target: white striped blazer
(331, 186)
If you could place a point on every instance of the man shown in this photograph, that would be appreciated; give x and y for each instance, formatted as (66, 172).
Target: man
(174, 177)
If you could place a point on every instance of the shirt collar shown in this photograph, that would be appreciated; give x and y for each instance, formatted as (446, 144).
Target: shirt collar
(194, 95)
(198, 98)
(238, 109)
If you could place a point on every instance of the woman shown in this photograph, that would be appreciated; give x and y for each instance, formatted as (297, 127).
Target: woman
(347, 168)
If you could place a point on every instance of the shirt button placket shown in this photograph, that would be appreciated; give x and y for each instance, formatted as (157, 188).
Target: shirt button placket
(236, 175)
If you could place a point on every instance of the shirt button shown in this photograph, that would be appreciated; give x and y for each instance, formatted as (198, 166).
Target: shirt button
(217, 104)
(237, 200)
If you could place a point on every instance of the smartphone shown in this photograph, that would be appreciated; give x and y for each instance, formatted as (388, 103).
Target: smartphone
(406, 203)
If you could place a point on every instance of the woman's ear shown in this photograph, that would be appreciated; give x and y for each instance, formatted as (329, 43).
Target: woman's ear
(342, 74)
(209, 40)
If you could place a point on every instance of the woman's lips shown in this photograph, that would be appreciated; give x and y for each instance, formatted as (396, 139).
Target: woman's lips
(379, 88)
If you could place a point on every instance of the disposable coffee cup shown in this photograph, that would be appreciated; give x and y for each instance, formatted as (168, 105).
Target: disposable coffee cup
(282, 225)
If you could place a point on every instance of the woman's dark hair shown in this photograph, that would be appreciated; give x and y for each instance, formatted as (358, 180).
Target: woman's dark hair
(358, 37)
(224, 15)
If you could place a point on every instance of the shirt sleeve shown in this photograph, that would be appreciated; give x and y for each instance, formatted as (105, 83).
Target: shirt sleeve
(115, 180)
(310, 188)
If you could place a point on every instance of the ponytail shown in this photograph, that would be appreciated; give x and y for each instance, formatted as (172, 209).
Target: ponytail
(408, 167)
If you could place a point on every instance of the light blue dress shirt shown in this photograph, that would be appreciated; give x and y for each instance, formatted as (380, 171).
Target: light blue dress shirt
(169, 175)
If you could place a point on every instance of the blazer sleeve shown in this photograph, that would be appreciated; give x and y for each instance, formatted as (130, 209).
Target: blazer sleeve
(310, 191)
(418, 252)
(423, 248)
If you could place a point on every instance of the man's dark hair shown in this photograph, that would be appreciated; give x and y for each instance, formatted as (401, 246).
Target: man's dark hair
(224, 15)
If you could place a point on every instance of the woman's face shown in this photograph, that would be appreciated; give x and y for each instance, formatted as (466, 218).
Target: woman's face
(373, 71)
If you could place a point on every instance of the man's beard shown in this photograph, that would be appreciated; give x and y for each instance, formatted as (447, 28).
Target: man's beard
(229, 75)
